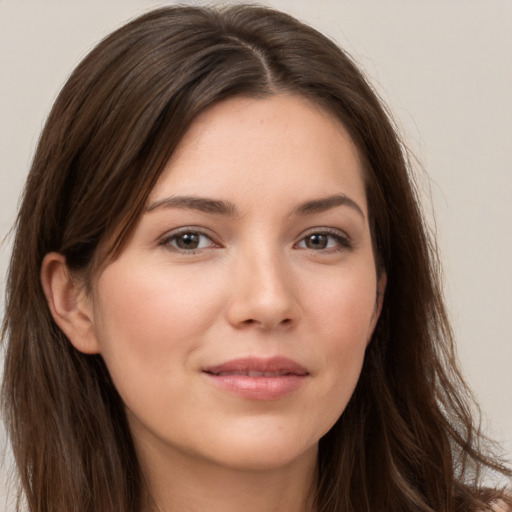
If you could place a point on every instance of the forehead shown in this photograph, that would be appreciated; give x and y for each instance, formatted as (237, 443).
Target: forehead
(275, 147)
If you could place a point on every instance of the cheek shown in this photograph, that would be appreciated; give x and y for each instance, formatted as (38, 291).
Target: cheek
(342, 306)
(147, 323)
(342, 314)
(164, 306)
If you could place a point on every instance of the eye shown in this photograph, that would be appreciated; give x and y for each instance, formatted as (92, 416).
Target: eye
(188, 241)
(330, 241)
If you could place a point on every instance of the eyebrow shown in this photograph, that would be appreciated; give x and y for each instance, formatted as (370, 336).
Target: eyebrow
(202, 204)
(326, 203)
(229, 209)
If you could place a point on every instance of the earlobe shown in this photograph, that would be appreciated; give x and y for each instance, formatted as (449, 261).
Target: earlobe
(69, 304)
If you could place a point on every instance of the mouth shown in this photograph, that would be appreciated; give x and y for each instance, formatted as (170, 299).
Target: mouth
(258, 367)
(258, 378)
(252, 373)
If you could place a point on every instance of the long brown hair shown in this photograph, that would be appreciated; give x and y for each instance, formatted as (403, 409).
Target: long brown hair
(406, 441)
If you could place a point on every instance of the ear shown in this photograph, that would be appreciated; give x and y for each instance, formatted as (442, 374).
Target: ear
(70, 305)
(379, 301)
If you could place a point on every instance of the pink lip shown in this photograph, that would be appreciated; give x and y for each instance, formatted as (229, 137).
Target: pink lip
(258, 378)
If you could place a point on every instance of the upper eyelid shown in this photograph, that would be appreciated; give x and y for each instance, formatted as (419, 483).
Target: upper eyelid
(187, 229)
(325, 230)
(343, 240)
(173, 233)
(215, 239)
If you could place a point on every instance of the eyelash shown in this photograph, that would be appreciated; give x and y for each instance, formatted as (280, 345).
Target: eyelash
(342, 241)
(167, 240)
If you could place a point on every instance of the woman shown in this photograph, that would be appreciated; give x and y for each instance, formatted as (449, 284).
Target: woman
(222, 294)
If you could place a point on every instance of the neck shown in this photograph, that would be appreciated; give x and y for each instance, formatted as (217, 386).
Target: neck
(178, 482)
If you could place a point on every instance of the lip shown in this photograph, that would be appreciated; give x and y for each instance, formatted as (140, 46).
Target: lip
(258, 378)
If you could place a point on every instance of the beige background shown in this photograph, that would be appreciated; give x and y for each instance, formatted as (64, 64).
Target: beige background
(445, 69)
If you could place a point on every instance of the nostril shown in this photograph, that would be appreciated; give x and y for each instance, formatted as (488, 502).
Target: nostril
(266, 325)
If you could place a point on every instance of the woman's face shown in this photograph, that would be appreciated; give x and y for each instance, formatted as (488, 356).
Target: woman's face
(235, 321)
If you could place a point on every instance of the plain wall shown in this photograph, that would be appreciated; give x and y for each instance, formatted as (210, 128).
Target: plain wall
(445, 70)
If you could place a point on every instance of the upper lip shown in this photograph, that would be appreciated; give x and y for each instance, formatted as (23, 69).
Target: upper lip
(258, 367)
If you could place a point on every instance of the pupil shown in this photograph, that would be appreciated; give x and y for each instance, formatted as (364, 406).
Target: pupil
(316, 242)
(188, 241)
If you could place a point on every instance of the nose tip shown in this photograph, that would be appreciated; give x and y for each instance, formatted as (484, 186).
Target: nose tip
(263, 298)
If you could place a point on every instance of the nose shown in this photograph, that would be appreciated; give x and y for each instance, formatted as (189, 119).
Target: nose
(263, 294)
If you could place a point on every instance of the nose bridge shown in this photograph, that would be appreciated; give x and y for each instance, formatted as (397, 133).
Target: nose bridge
(264, 290)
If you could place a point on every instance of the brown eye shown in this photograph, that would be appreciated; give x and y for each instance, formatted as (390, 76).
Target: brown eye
(325, 241)
(188, 241)
(317, 241)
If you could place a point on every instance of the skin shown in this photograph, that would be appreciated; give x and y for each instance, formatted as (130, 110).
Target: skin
(268, 278)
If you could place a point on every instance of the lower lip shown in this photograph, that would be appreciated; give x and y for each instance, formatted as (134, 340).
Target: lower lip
(258, 388)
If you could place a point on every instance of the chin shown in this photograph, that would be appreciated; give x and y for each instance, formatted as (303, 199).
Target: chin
(263, 456)
(262, 446)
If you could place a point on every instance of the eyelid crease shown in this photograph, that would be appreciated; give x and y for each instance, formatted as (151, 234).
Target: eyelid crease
(336, 232)
(343, 240)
